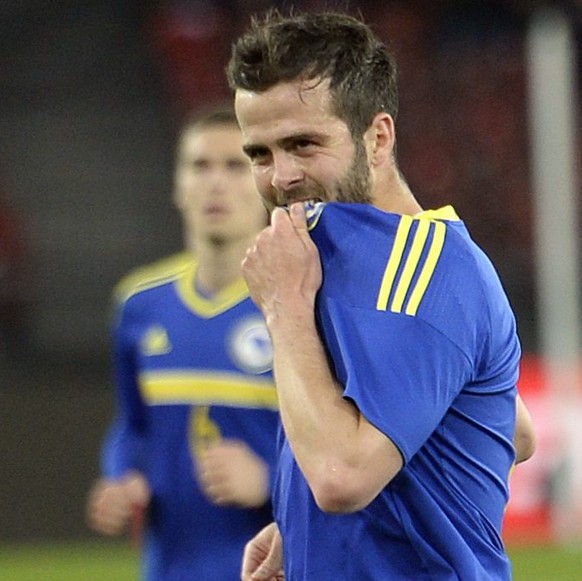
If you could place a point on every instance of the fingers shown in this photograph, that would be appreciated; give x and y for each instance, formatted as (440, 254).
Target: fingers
(213, 476)
(295, 214)
(298, 217)
(231, 473)
(108, 511)
(263, 556)
(272, 565)
(111, 503)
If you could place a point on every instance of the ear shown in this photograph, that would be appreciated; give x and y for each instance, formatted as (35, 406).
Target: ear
(379, 139)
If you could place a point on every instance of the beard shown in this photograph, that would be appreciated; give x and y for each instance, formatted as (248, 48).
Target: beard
(354, 187)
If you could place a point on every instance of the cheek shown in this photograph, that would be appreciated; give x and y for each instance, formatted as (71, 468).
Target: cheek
(262, 186)
(186, 185)
(262, 180)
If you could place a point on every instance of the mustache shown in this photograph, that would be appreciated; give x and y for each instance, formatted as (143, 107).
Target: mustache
(312, 192)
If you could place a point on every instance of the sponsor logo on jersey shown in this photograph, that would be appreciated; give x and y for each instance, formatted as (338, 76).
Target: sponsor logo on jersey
(250, 345)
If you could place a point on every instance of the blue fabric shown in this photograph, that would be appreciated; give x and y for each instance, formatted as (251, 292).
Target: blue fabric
(440, 383)
(164, 345)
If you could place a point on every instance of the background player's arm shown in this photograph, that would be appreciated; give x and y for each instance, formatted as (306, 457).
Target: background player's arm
(524, 438)
(345, 459)
(122, 493)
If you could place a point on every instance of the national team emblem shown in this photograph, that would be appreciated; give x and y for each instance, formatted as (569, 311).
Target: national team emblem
(250, 346)
(313, 211)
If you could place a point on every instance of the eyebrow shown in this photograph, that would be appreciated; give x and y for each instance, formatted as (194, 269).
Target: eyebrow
(285, 141)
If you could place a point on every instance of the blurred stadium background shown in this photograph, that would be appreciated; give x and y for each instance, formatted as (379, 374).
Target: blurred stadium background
(91, 94)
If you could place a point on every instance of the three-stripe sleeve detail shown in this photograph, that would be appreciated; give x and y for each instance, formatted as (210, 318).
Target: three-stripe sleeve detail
(408, 274)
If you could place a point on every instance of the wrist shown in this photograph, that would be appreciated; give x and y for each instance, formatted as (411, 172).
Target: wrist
(293, 314)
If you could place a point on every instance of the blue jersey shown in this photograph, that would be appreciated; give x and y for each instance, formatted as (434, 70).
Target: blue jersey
(423, 340)
(189, 371)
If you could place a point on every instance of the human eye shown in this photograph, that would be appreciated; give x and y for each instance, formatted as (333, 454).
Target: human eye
(257, 155)
(237, 165)
(199, 165)
(303, 145)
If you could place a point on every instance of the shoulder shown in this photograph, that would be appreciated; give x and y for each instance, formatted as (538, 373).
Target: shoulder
(380, 257)
(411, 265)
(153, 275)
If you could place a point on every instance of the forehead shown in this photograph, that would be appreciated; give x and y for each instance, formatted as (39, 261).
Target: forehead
(286, 109)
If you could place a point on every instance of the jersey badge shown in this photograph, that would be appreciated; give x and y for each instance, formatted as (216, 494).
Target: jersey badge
(250, 346)
(313, 211)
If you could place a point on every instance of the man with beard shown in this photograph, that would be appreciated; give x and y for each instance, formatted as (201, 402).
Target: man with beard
(395, 348)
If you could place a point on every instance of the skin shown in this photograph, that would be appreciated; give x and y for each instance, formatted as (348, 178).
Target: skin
(300, 150)
(216, 195)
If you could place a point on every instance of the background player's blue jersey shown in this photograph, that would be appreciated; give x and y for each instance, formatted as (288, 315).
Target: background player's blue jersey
(422, 337)
(189, 371)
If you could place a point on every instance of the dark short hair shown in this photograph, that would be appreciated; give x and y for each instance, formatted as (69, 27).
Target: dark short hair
(319, 46)
(200, 119)
(208, 117)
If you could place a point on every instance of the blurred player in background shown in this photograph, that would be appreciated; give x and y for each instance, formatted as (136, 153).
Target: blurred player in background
(395, 347)
(193, 443)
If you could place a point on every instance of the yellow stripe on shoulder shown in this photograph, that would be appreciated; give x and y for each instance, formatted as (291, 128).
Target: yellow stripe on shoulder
(411, 264)
(151, 275)
(393, 262)
(444, 213)
(428, 269)
(187, 387)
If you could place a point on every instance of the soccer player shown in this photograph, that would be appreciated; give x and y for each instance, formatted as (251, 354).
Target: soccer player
(395, 347)
(194, 440)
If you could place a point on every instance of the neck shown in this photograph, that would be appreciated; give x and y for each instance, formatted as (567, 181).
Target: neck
(394, 195)
(219, 265)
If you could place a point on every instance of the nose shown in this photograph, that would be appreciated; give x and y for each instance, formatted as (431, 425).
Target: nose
(287, 173)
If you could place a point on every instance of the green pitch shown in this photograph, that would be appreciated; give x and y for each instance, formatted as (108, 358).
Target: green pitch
(106, 561)
(91, 561)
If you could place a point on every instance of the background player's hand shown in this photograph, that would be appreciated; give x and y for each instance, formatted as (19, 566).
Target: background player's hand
(283, 266)
(263, 556)
(230, 472)
(113, 503)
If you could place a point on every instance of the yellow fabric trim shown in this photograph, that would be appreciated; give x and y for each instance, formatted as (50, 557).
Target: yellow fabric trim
(393, 262)
(444, 213)
(152, 275)
(426, 221)
(185, 387)
(410, 266)
(428, 269)
(224, 300)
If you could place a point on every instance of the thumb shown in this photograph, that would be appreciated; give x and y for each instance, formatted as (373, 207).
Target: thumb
(298, 217)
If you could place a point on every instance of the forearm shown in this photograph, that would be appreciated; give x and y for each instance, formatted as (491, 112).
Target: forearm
(345, 460)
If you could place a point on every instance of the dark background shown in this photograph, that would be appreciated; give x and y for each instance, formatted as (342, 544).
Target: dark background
(91, 95)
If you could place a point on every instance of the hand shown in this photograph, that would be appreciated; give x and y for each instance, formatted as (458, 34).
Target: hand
(229, 472)
(283, 264)
(112, 503)
(263, 556)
